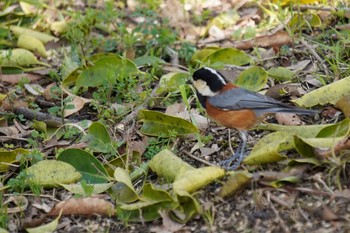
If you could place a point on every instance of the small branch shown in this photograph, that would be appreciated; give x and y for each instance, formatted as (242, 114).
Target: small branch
(129, 118)
(198, 159)
(319, 8)
(39, 116)
(318, 58)
(279, 219)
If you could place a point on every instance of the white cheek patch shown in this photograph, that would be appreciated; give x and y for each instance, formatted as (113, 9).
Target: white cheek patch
(222, 79)
(202, 87)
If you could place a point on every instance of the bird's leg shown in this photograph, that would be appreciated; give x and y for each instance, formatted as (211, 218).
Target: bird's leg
(239, 155)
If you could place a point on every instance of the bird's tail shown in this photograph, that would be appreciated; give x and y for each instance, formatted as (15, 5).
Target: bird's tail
(297, 110)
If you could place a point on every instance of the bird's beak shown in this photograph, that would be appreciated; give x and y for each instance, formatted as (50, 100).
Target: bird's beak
(189, 82)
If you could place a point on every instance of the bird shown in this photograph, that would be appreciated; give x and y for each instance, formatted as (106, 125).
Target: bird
(235, 108)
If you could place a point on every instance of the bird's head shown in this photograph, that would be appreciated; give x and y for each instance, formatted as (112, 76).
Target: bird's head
(208, 82)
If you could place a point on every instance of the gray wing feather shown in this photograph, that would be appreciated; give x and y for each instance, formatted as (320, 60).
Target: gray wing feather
(239, 98)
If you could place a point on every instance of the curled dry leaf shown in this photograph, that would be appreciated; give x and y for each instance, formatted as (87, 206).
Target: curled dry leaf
(179, 110)
(84, 206)
(15, 78)
(288, 119)
(20, 202)
(344, 105)
(277, 39)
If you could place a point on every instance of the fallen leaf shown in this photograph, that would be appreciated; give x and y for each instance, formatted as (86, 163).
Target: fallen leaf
(16, 78)
(288, 119)
(20, 202)
(275, 40)
(84, 206)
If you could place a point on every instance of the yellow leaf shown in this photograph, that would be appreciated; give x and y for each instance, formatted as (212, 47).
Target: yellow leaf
(32, 44)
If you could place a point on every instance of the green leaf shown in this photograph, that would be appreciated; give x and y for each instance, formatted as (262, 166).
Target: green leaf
(43, 37)
(328, 94)
(47, 228)
(119, 191)
(170, 82)
(314, 20)
(267, 149)
(195, 179)
(159, 124)
(200, 55)
(92, 170)
(228, 56)
(236, 182)
(40, 126)
(188, 208)
(147, 209)
(19, 57)
(95, 76)
(307, 131)
(281, 74)
(98, 138)
(78, 189)
(106, 68)
(329, 136)
(166, 164)
(148, 60)
(51, 173)
(253, 79)
(9, 157)
(286, 180)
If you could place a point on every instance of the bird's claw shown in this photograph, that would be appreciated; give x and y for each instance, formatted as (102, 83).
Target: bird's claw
(227, 164)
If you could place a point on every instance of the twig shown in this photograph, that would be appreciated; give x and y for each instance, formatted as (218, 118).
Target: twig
(279, 219)
(136, 110)
(319, 8)
(279, 201)
(313, 52)
(198, 159)
(39, 116)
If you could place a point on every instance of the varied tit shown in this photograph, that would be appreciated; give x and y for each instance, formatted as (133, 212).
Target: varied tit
(235, 107)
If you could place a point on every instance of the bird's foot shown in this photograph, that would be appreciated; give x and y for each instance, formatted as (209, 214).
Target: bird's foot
(233, 162)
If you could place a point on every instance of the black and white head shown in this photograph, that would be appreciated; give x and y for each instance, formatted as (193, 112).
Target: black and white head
(208, 82)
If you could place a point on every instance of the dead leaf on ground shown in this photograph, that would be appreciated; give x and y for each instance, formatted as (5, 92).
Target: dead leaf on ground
(15, 78)
(328, 214)
(288, 119)
(9, 131)
(344, 105)
(274, 40)
(84, 206)
(20, 202)
(168, 225)
(179, 110)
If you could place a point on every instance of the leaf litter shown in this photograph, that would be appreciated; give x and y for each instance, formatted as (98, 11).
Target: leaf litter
(295, 177)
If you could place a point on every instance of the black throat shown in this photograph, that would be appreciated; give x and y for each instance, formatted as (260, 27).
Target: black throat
(202, 99)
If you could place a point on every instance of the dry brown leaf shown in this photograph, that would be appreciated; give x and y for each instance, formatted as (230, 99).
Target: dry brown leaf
(168, 226)
(9, 131)
(138, 146)
(15, 78)
(328, 214)
(20, 202)
(179, 110)
(340, 146)
(78, 103)
(275, 40)
(48, 92)
(288, 119)
(344, 105)
(84, 206)
(330, 112)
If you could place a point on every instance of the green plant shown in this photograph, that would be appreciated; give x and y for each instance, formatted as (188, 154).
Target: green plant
(65, 102)
(36, 138)
(4, 218)
(158, 144)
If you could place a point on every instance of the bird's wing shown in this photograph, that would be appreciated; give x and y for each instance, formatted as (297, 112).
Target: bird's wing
(239, 98)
